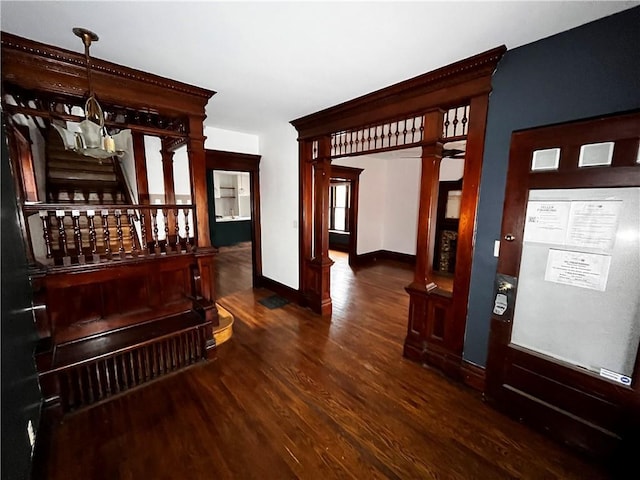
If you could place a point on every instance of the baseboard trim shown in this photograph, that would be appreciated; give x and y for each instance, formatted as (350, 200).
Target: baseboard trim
(473, 375)
(369, 257)
(285, 291)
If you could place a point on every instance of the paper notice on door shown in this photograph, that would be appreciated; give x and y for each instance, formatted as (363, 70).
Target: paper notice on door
(593, 224)
(546, 221)
(578, 269)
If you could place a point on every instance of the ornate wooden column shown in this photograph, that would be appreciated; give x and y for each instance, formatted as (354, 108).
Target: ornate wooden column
(305, 215)
(423, 283)
(319, 267)
(204, 278)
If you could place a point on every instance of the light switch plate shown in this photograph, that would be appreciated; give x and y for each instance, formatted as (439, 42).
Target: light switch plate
(496, 248)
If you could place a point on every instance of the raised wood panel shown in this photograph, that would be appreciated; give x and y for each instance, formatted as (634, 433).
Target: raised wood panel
(88, 303)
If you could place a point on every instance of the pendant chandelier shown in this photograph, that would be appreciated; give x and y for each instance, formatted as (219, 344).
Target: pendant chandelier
(92, 139)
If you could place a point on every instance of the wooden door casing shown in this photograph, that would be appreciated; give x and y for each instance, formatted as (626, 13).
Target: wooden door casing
(577, 407)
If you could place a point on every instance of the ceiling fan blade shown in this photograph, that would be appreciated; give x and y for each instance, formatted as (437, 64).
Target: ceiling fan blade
(453, 153)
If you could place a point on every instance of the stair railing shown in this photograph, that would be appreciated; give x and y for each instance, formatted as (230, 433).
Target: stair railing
(64, 234)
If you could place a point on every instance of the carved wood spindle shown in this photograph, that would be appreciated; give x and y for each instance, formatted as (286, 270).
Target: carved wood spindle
(75, 215)
(46, 233)
(187, 242)
(143, 231)
(176, 214)
(105, 233)
(92, 234)
(132, 232)
(62, 238)
(118, 215)
(165, 216)
(154, 222)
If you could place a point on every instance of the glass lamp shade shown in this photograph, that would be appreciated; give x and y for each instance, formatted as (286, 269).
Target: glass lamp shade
(86, 139)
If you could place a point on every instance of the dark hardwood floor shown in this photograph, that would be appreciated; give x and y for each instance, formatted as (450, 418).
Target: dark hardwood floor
(233, 269)
(291, 395)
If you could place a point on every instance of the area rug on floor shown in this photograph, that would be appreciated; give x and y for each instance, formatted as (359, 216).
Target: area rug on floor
(274, 301)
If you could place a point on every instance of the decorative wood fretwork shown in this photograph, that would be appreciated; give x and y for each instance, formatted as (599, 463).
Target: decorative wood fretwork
(63, 107)
(395, 135)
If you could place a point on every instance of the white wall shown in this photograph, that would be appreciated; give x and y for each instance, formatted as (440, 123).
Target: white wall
(371, 201)
(402, 185)
(231, 141)
(155, 177)
(279, 203)
(389, 200)
(181, 175)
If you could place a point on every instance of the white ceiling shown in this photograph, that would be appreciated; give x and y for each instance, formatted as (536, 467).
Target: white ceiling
(273, 62)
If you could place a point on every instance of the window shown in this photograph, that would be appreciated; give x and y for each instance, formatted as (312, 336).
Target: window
(339, 206)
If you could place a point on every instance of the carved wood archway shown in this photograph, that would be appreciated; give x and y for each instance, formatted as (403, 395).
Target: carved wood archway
(437, 312)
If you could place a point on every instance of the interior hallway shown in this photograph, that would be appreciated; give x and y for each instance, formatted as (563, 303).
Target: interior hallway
(292, 395)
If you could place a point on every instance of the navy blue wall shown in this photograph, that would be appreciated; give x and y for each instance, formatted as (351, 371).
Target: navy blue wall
(589, 71)
(20, 392)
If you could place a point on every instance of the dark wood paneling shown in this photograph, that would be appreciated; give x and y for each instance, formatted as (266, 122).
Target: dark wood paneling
(88, 303)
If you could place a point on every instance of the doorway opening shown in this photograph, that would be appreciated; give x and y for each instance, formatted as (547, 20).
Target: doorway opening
(426, 112)
(233, 186)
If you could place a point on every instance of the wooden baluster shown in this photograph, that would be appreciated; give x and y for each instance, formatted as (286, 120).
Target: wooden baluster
(107, 377)
(187, 242)
(176, 214)
(143, 231)
(165, 216)
(154, 222)
(46, 231)
(121, 251)
(132, 232)
(90, 384)
(75, 214)
(92, 235)
(134, 381)
(62, 238)
(105, 233)
(116, 377)
(97, 369)
(125, 377)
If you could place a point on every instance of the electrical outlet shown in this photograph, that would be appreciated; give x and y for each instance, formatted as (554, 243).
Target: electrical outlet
(32, 435)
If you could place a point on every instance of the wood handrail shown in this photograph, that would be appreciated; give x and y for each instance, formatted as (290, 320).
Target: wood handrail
(37, 207)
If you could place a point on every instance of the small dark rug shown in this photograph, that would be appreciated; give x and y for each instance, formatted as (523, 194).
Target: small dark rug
(274, 301)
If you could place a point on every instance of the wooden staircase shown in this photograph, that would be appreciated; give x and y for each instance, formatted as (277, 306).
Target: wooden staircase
(72, 178)
(75, 178)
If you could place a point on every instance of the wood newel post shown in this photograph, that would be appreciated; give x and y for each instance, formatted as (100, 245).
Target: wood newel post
(428, 207)
(198, 175)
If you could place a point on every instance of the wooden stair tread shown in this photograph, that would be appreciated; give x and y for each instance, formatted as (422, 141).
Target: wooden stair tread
(90, 348)
(224, 330)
